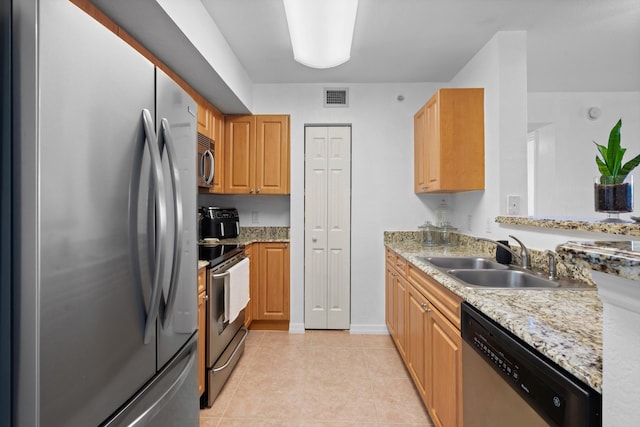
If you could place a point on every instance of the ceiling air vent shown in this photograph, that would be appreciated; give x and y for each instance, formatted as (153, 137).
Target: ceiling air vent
(336, 97)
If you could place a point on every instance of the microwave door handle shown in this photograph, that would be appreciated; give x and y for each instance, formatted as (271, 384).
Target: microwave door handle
(209, 155)
(159, 211)
(222, 230)
(168, 144)
(237, 228)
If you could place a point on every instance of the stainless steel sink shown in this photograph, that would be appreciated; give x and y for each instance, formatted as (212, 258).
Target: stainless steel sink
(502, 279)
(461, 262)
(512, 279)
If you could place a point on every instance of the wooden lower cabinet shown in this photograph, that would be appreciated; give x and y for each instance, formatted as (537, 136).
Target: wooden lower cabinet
(269, 288)
(428, 340)
(202, 327)
(445, 371)
(418, 326)
(396, 295)
(248, 312)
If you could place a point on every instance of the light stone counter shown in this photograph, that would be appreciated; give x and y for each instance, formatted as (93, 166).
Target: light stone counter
(616, 258)
(563, 325)
(250, 235)
(624, 228)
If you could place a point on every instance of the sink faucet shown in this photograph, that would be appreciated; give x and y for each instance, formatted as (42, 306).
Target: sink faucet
(553, 275)
(525, 259)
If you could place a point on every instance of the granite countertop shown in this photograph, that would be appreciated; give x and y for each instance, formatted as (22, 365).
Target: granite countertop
(250, 235)
(593, 226)
(563, 325)
(620, 258)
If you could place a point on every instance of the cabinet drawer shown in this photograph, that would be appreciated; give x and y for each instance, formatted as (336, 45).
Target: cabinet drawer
(397, 262)
(443, 299)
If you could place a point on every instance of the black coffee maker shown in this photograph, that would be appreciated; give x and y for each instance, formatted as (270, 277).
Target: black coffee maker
(218, 223)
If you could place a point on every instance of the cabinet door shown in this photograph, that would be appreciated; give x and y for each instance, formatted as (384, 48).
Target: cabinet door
(401, 286)
(419, 154)
(273, 281)
(202, 328)
(432, 145)
(445, 371)
(218, 142)
(272, 154)
(204, 121)
(239, 154)
(417, 340)
(390, 309)
(248, 316)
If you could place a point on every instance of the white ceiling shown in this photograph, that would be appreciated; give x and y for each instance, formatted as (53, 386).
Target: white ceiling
(572, 45)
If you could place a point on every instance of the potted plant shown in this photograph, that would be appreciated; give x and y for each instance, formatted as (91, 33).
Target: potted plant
(613, 189)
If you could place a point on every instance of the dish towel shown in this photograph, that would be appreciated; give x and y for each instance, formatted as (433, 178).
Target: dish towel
(236, 290)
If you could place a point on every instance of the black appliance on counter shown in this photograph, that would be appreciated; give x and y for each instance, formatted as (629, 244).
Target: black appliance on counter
(218, 223)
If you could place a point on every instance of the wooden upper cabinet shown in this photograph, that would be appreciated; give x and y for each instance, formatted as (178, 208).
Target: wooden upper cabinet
(256, 154)
(217, 132)
(240, 155)
(449, 142)
(272, 154)
(204, 121)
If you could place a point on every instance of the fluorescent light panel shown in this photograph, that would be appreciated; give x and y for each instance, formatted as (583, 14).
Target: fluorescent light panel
(321, 31)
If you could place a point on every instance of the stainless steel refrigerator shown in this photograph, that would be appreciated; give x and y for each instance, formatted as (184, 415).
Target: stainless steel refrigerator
(105, 324)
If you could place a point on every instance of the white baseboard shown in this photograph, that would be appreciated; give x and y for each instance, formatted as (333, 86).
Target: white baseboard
(296, 328)
(369, 329)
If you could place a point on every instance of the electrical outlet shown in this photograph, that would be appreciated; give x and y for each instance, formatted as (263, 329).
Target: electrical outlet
(513, 205)
(255, 217)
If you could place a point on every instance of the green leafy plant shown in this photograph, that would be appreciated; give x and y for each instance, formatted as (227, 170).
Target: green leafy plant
(610, 165)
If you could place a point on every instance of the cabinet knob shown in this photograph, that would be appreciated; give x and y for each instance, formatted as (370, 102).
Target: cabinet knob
(205, 297)
(314, 239)
(251, 190)
(257, 190)
(425, 307)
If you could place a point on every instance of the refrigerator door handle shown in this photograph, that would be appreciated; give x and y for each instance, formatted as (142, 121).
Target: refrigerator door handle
(155, 211)
(168, 144)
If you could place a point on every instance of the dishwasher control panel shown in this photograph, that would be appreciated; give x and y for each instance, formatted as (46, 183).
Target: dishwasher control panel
(557, 396)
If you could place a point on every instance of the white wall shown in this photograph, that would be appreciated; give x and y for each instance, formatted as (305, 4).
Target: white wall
(500, 68)
(567, 167)
(382, 180)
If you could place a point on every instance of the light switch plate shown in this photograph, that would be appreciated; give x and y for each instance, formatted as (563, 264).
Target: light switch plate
(513, 205)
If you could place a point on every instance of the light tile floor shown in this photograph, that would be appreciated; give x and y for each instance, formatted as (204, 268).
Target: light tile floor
(320, 378)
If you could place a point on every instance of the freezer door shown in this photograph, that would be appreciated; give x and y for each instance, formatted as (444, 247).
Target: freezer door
(92, 316)
(177, 139)
(171, 399)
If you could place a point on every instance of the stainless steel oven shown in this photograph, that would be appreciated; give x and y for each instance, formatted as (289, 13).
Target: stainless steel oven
(506, 383)
(224, 339)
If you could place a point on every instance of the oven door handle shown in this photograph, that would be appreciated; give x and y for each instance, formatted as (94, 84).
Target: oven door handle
(220, 276)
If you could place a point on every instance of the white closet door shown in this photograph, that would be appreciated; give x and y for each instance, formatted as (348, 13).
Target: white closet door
(327, 227)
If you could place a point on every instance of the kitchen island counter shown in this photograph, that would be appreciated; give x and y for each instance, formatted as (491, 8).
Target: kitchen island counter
(563, 325)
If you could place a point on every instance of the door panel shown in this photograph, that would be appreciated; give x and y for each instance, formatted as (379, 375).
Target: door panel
(179, 109)
(92, 314)
(327, 227)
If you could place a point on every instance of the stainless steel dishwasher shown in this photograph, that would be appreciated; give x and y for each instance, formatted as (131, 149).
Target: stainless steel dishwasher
(507, 383)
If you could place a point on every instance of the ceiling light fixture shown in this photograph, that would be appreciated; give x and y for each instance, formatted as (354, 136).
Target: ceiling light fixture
(321, 31)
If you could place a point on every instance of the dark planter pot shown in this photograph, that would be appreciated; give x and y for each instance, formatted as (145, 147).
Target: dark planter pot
(613, 198)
